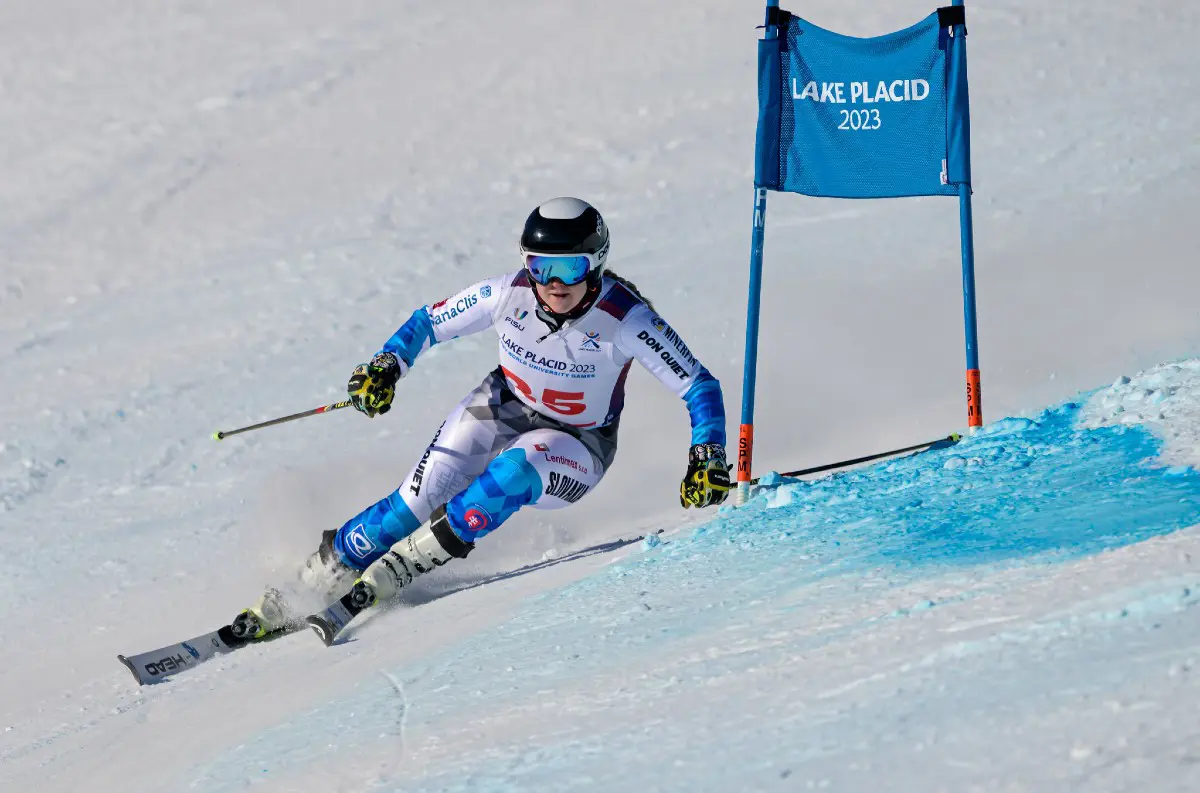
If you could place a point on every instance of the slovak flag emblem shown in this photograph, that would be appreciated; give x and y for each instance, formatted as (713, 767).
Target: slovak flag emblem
(477, 519)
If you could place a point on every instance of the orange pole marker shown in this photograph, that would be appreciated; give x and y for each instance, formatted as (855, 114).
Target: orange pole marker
(745, 451)
(974, 399)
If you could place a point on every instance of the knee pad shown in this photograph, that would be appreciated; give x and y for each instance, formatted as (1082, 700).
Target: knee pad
(507, 484)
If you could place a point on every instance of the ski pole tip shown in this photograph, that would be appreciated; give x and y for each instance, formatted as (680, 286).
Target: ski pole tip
(218, 435)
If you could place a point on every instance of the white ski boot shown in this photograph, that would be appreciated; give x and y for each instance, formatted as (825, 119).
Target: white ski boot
(323, 573)
(269, 615)
(428, 547)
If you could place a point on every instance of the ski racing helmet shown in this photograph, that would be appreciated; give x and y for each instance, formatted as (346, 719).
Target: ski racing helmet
(565, 239)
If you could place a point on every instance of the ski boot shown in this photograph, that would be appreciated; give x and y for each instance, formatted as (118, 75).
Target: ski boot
(269, 615)
(428, 547)
(323, 573)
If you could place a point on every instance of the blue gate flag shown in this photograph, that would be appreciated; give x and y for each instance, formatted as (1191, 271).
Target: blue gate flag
(881, 117)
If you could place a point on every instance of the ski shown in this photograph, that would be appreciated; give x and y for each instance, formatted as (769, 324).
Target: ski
(158, 665)
(330, 622)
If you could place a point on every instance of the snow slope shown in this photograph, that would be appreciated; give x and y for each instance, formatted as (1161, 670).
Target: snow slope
(210, 212)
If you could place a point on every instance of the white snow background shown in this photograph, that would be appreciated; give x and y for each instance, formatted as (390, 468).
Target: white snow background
(209, 212)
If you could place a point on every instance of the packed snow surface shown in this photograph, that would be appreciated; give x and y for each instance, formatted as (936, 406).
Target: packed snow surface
(692, 652)
(210, 212)
(1164, 398)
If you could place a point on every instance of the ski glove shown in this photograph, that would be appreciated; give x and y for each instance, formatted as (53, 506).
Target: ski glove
(373, 385)
(707, 479)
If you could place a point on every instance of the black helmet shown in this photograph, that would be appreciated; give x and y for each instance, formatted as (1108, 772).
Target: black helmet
(566, 226)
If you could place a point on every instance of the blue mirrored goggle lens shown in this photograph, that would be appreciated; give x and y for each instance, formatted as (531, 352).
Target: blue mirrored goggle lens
(568, 269)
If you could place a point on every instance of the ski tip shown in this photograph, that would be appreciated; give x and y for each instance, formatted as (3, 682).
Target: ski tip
(125, 662)
(322, 628)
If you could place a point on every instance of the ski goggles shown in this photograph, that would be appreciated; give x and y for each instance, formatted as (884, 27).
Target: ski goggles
(570, 268)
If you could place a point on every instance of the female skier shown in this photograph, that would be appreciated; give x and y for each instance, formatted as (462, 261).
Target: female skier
(540, 430)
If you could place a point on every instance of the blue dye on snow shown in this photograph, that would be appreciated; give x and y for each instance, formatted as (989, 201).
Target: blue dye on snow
(1021, 489)
(1024, 490)
(736, 595)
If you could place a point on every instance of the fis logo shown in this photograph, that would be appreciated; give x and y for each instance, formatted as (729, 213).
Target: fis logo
(590, 344)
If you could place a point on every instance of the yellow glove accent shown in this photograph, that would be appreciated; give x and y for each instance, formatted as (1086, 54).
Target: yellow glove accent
(706, 484)
(371, 390)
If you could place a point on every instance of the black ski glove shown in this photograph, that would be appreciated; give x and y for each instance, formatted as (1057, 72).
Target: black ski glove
(707, 479)
(373, 385)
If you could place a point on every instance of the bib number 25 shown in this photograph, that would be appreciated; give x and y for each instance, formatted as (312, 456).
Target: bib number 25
(566, 403)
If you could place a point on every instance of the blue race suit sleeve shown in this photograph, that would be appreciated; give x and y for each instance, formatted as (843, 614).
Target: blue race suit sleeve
(706, 408)
(413, 337)
(469, 311)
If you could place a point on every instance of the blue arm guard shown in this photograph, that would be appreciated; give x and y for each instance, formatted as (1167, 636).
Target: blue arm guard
(413, 337)
(706, 408)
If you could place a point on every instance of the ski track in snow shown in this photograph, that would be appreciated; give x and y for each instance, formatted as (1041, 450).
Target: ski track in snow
(211, 212)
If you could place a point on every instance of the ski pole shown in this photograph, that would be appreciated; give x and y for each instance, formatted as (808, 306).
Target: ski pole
(940, 443)
(218, 435)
